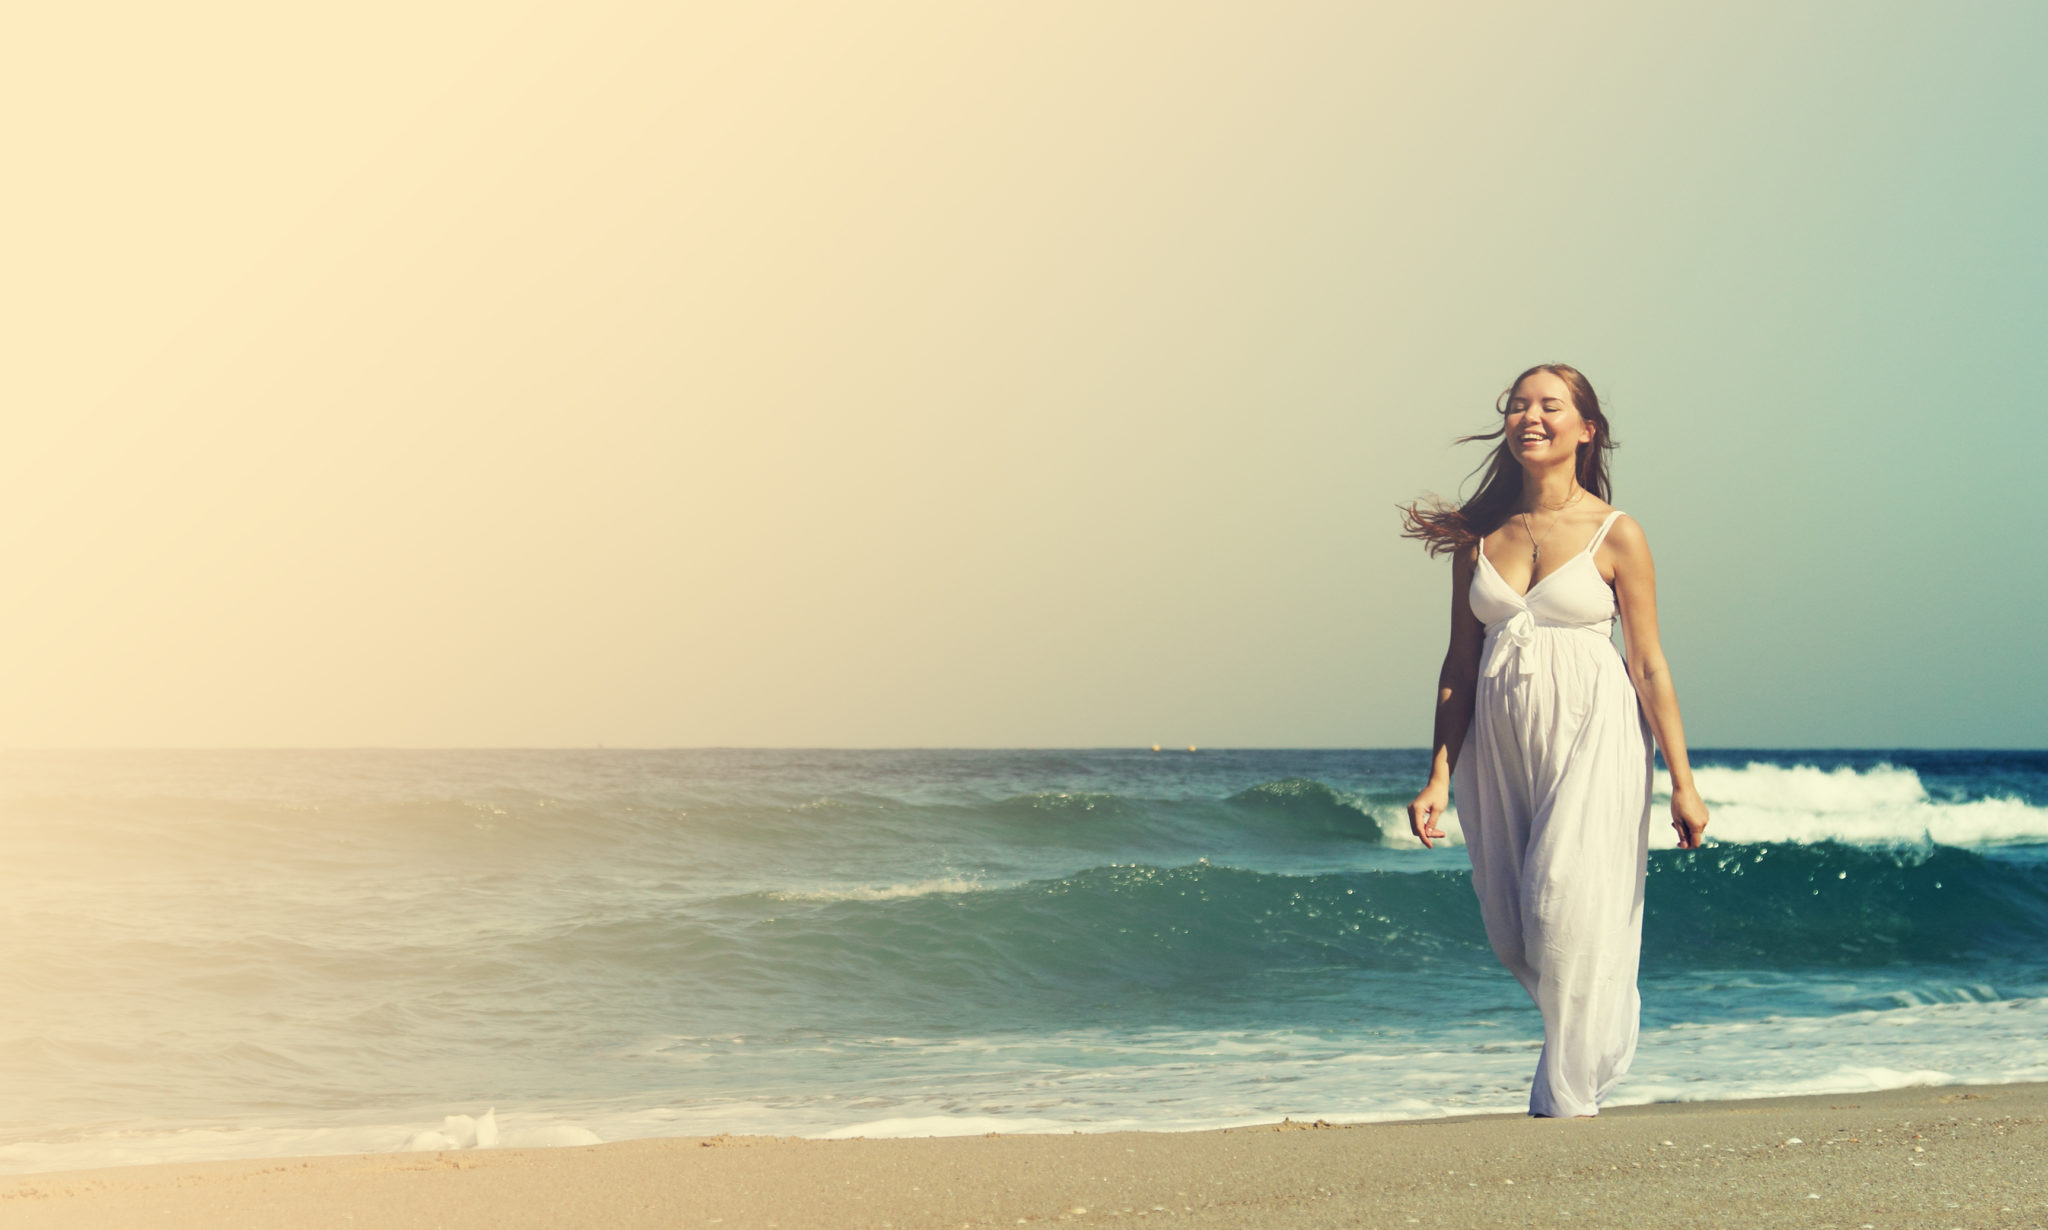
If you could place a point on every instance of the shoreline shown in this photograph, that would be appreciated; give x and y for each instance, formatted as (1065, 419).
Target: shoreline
(1951, 1155)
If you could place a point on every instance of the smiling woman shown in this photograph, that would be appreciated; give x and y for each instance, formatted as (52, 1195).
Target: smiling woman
(1546, 733)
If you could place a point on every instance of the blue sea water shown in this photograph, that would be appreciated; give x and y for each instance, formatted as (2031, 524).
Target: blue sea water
(249, 953)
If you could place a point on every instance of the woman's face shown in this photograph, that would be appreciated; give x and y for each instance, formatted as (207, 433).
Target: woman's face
(1543, 424)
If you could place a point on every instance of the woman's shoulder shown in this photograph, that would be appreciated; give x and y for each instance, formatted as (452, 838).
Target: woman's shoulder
(1625, 535)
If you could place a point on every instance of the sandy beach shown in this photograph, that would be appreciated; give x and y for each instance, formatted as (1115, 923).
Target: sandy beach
(1922, 1157)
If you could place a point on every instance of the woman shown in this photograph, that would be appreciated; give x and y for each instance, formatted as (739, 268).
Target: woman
(1545, 733)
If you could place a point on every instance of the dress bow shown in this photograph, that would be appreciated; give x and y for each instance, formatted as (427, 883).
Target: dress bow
(1515, 639)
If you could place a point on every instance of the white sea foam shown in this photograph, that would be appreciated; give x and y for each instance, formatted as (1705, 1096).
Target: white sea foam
(884, 892)
(1477, 1068)
(1806, 787)
(458, 1132)
(1185, 1080)
(1394, 832)
(309, 1138)
(1890, 1048)
(1880, 805)
(1090, 1081)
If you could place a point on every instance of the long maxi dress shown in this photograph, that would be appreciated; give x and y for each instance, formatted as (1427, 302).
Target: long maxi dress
(1553, 790)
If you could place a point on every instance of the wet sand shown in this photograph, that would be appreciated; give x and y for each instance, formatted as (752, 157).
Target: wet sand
(1972, 1156)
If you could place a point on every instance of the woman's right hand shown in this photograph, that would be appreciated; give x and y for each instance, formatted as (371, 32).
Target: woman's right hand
(1434, 800)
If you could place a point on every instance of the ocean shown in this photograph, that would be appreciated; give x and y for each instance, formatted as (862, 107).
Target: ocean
(218, 954)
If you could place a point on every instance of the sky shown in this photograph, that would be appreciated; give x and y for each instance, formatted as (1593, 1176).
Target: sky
(998, 374)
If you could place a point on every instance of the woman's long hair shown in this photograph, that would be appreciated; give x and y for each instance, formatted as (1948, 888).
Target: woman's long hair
(1446, 528)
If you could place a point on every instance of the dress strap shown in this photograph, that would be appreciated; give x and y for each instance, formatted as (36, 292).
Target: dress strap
(1600, 534)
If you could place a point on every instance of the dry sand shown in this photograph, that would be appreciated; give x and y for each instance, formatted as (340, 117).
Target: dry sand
(1910, 1158)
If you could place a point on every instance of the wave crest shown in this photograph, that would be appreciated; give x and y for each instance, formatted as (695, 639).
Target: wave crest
(1310, 807)
(1879, 805)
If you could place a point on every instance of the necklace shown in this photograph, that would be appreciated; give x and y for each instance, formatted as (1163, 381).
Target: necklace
(1535, 543)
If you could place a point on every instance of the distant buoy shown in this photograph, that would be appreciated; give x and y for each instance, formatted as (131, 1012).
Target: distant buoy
(1191, 747)
(1155, 747)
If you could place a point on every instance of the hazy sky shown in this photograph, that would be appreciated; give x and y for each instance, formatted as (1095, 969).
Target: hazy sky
(998, 373)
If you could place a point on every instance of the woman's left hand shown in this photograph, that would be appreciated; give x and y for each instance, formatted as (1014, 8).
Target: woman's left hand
(1689, 817)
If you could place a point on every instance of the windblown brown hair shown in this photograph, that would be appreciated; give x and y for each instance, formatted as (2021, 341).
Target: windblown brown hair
(1445, 528)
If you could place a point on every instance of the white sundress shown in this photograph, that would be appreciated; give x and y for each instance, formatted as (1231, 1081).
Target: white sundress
(1552, 791)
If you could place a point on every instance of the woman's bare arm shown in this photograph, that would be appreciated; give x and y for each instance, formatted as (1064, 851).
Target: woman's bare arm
(1635, 587)
(1455, 684)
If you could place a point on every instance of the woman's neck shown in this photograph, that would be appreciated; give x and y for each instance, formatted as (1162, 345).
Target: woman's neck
(1549, 490)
